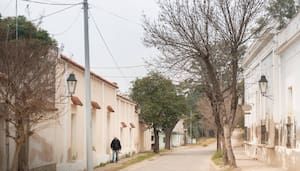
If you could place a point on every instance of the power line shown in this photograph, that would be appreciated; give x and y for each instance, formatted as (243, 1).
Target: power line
(7, 5)
(106, 46)
(116, 76)
(51, 3)
(125, 67)
(55, 12)
(118, 16)
(69, 27)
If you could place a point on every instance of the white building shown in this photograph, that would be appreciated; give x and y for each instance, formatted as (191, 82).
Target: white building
(272, 119)
(177, 136)
(61, 144)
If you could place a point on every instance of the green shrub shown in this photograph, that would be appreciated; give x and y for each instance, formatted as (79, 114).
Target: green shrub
(217, 158)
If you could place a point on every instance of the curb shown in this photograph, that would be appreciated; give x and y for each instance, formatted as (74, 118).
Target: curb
(214, 167)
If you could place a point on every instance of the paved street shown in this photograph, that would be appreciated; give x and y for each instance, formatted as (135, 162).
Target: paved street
(182, 159)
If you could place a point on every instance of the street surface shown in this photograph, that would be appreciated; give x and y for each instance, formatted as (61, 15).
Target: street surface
(194, 158)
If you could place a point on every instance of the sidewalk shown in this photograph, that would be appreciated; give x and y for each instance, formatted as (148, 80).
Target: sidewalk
(246, 163)
(123, 162)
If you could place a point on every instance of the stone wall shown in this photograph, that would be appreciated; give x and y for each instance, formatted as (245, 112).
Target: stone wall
(49, 167)
(276, 156)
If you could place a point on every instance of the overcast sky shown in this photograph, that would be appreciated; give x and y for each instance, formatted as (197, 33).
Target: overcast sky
(119, 22)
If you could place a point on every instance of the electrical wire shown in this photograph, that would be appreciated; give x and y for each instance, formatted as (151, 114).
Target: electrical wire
(53, 13)
(118, 16)
(50, 3)
(69, 27)
(125, 67)
(6, 6)
(107, 47)
(116, 76)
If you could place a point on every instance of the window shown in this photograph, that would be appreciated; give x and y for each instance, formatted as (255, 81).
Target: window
(264, 134)
(290, 101)
(290, 132)
(276, 136)
(130, 137)
(248, 131)
(289, 135)
(73, 137)
(94, 128)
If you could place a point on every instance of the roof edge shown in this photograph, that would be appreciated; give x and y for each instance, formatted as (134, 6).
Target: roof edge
(70, 61)
(127, 99)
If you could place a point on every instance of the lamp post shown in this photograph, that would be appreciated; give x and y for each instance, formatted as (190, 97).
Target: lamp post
(263, 85)
(72, 82)
(191, 126)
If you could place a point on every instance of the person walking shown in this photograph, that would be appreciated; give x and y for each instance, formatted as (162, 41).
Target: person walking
(116, 147)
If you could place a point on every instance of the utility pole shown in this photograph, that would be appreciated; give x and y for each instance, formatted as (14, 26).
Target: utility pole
(191, 127)
(89, 155)
(17, 25)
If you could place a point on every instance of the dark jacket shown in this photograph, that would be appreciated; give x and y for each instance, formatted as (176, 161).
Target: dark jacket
(115, 144)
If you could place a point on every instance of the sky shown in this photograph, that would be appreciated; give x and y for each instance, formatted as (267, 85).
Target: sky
(119, 21)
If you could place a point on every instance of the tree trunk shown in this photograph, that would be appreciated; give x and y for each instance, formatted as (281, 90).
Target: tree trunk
(156, 141)
(14, 166)
(168, 133)
(219, 148)
(224, 149)
(23, 155)
(227, 138)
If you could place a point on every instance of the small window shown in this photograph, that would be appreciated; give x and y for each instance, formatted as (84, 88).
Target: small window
(289, 135)
(290, 101)
(264, 134)
(248, 132)
(276, 136)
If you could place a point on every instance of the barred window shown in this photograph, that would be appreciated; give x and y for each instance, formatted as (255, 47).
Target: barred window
(264, 134)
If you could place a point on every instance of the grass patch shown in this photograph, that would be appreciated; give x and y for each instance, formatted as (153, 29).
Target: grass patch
(164, 151)
(217, 158)
(101, 165)
(206, 141)
(139, 158)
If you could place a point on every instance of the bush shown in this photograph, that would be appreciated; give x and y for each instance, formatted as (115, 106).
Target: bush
(217, 158)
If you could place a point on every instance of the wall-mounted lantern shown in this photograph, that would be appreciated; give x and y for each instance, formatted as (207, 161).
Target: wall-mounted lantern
(71, 81)
(263, 85)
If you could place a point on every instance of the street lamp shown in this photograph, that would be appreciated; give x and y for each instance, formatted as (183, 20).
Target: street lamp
(263, 85)
(71, 83)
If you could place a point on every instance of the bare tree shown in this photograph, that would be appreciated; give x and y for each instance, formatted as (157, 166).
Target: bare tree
(27, 89)
(205, 108)
(206, 39)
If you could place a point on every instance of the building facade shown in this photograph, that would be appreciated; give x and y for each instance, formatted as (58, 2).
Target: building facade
(272, 119)
(178, 134)
(61, 143)
(177, 137)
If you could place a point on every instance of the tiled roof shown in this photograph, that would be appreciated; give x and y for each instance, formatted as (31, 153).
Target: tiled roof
(95, 105)
(131, 125)
(110, 109)
(76, 101)
(126, 98)
(68, 60)
(123, 125)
